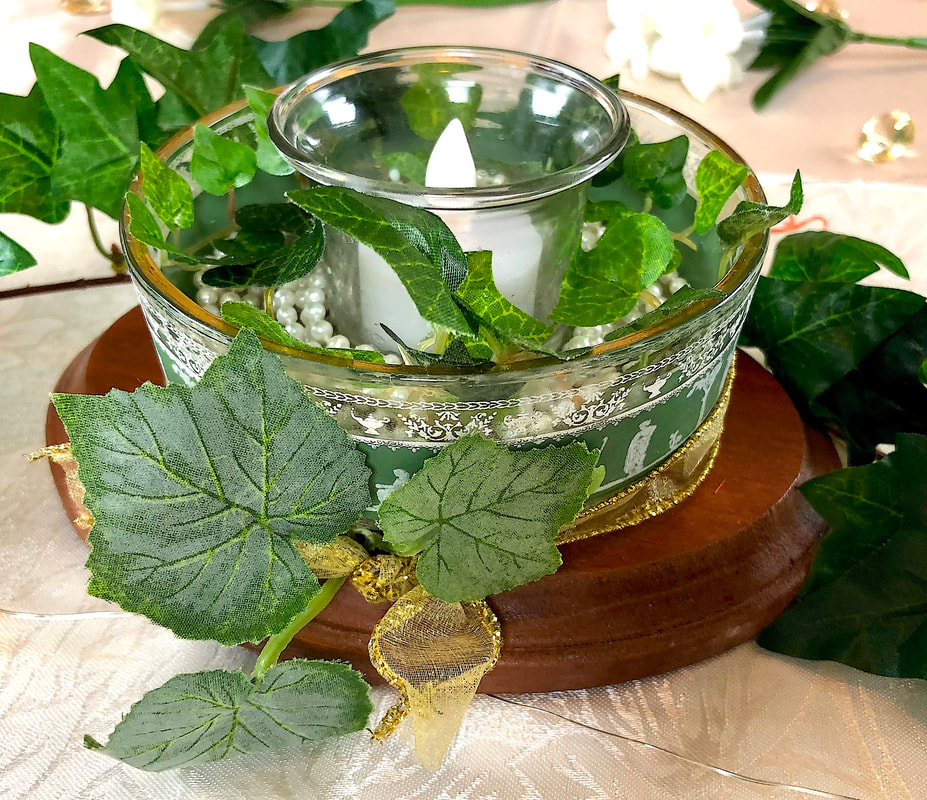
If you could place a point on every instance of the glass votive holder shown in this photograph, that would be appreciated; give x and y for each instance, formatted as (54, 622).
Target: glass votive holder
(537, 130)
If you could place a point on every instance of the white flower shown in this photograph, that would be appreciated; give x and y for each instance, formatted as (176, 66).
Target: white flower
(146, 14)
(693, 40)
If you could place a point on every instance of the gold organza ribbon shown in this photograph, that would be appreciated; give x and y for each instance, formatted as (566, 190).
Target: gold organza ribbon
(436, 653)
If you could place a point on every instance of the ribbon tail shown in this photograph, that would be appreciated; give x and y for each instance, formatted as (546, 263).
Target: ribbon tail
(61, 455)
(435, 654)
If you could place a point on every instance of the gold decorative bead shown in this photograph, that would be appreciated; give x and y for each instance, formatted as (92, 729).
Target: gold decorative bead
(85, 6)
(828, 8)
(886, 137)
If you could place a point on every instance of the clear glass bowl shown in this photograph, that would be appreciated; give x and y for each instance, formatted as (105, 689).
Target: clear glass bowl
(638, 398)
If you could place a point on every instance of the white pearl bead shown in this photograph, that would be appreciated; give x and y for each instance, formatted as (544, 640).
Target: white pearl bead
(251, 300)
(284, 297)
(198, 279)
(317, 279)
(314, 296)
(392, 358)
(286, 315)
(339, 341)
(295, 330)
(207, 296)
(211, 308)
(365, 346)
(312, 313)
(229, 297)
(321, 330)
(675, 283)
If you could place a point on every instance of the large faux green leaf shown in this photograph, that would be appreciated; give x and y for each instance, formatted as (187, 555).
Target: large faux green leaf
(247, 316)
(603, 284)
(485, 518)
(814, 334)
(13, 256)
(867, 604)
(208, 716)
(289, 263)
(344, 36)
(219, 164)
(749, 219)
(416, 243)
(830, 257)
(716, 179)
(30, 143)
(101, 140)
(884, 396)
(656, 170)
(168, 194)
(197, 81)
(480, 293)
(268, 157)
(200, 494)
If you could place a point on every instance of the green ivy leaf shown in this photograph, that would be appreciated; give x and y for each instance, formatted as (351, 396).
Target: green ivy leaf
(457, 354)
(30, 144)
(883, 396)
(430, 107)
(416, 243)
(168, 194)
(814, 334)
(197, 82)
(13, 256)
(199, 495)
(603, 284)
(656, 170)
(831, 257)
(485, 518)
(248, 247)
(480, 293)
(247, 316)
(100, 153)
(209, 716)
(273, 217)
(268, 157)
(143, 225)
(219, 164)
(288, 264)
(866, 605)
(684, 298)
(344, 36)
(749, 219)
(795, 38)
(716, 179)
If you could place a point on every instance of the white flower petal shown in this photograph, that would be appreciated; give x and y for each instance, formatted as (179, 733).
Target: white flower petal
(705, 74)
(141, 14)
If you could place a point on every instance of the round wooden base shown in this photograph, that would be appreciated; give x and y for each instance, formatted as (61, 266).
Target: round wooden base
(684, 586)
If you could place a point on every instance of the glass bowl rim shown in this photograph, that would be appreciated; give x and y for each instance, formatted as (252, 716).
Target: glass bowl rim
(463, 198)
(143, 268)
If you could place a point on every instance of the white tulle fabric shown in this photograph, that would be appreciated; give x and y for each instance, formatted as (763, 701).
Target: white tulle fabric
(819, 726)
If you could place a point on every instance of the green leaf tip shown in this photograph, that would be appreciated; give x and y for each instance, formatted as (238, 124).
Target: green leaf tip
(199, 495)
(484, 518)
(209, 716)
(750, 219)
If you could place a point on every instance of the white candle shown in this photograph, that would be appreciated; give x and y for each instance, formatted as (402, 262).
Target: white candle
(510, 235)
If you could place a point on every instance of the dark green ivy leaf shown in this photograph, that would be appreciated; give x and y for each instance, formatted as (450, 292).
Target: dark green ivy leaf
(99, 156)
(199, 495)
(344, 36)
(13, 256)
(244, 315)
(168, 194)
(30, 144)
(814, 334)
(288, 264)
(795, 39)
(749, 219)
(219, 164)
(684, 298)
(267, 217)
(416, 243)
(831, 257)
(867, 603)
(456, 354)
(197, 82)
(716, 179)
(485, 518)
(209, 716)
(656, 170)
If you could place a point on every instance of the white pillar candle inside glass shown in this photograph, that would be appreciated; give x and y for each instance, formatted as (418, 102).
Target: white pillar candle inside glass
(500, 145)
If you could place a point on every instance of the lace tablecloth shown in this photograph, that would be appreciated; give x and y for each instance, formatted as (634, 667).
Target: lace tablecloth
(765, 717)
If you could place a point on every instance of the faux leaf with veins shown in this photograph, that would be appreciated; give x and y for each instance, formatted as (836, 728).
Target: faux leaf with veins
(200, 495)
